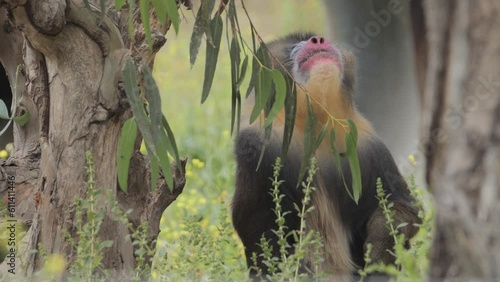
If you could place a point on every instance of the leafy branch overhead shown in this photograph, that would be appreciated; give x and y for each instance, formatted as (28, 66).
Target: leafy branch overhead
(153, 125)
(144, 98)
(269, 86)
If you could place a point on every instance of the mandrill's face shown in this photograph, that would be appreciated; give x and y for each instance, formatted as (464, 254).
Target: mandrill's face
(310, 59)
(315, 56)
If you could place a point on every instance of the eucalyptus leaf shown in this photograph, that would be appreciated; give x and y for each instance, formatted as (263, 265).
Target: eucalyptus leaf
(22, 119)
(352, 158)
(173, 144)
(309, 140)
(154, 102)
(262, 93)
(321, 136)
(280, 95)
(290, 109)
(155, 170)
(234, 53)
(212, 56)
(161, 9)
(137, 105)
(144, 7)
(335, 152)
(173, 14)
(267, 138)
(162, 152)
(243, 71)
(201, 24)
(253, 78)
(130, 24)
(125, 151)
(353, 130)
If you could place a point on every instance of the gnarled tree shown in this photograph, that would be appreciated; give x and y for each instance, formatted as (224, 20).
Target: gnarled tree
(71, 60)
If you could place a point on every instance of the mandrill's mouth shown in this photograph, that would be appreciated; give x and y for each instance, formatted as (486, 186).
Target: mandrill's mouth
(320, 52)
(308, 60)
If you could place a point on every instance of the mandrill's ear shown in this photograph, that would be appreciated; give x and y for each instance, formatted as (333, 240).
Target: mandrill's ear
(349, 81)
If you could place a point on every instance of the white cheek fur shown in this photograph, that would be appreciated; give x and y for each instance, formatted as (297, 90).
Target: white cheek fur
(300, 78)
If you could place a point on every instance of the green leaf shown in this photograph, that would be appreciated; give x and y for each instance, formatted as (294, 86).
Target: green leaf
(144, 7)
(253, 78)
(336, 155)
(155, 170)
(262, 93)
(154, 128)
(309, 140)
(173, 144)
(234, 55)
(267, 137)
(161, 9)
(353, 130)
(119, 4)
(290, 109)
(233, 17)
(201, 25)
(173, 15)
(125, 150)
(256, 66)
(130, 24)
(243, 71)
(352, 158)
(162, 153)
(154, 102)
(263, 82)
(136, 104)
(254, 44)
(280, 95)
(22, 120)
(4, 113)
(212, 55)
(321, 136)
(196, 35)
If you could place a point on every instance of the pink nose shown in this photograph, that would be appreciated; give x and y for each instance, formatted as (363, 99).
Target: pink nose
(317, 40)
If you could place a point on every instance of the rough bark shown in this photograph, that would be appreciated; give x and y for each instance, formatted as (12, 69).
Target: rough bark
(460, 80)
(72, 63)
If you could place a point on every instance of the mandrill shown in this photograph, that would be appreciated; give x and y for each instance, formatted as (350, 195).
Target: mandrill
(327, 74)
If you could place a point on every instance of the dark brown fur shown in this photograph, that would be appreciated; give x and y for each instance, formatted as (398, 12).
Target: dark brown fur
(345, 227)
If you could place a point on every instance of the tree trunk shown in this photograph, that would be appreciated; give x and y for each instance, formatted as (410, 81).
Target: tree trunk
(70, 84)
(460, 79)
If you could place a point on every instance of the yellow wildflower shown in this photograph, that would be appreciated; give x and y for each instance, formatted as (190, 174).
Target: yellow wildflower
(4, 154)
(56, 264)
